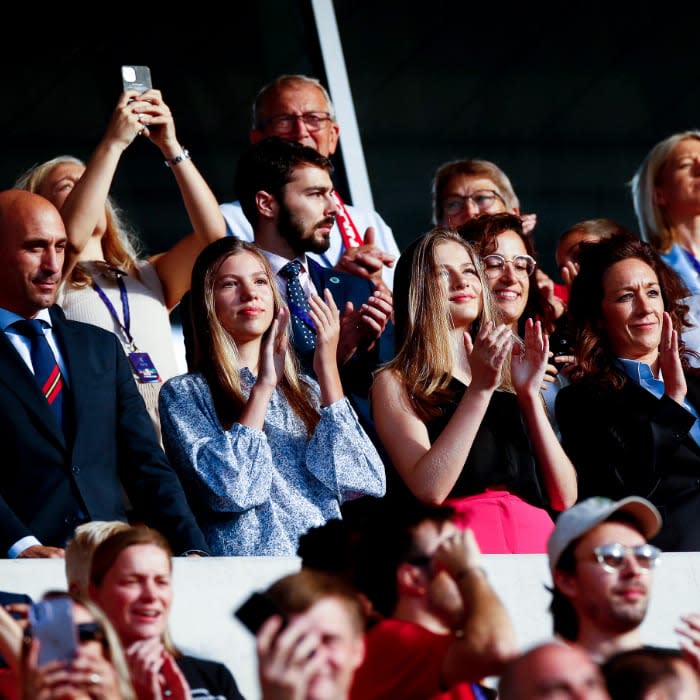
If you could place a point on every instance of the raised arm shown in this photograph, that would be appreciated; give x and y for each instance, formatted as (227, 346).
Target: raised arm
(174, 266)
(528, 365)
(431, 470)
(487, 637)
(83, 211)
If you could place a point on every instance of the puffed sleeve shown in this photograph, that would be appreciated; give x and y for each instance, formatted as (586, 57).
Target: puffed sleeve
(342, 457)
(231, 470)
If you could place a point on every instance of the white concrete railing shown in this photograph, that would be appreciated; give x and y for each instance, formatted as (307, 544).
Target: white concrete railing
(208, 590)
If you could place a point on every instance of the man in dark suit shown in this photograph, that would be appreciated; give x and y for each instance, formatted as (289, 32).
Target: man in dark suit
(61, 470)
(285, 190)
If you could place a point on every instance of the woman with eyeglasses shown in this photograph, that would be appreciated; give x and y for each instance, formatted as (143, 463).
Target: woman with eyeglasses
(509, 260)
(465, 189)
(462, 422)
(98, 671)
(131, 580)
(629, 417)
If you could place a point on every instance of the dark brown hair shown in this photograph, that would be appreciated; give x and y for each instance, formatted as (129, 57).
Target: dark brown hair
(483, 232)
(594, 353)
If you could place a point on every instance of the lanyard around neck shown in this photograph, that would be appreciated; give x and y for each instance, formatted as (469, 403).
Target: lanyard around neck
(126, 325)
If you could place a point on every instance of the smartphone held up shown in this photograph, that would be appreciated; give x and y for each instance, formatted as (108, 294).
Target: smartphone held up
(136, 78)
(51, 622)
(256, 609)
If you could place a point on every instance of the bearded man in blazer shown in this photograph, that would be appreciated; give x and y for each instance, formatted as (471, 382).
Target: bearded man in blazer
(285, 190)
(56, 475)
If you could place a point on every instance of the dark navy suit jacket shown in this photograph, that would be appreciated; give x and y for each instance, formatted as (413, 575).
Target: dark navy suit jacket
(51, 481)
(356, 374)
(627, 442)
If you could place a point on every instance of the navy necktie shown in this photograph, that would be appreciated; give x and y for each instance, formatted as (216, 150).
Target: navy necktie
(303, 326)
(46, 370)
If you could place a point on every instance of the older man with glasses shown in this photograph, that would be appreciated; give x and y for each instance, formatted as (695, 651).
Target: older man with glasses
(465, 189)
(298, 108)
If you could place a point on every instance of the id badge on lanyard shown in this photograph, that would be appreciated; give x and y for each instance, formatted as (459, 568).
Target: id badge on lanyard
(141, 364)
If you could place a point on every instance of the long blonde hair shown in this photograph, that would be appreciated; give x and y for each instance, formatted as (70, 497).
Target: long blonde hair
(111, 644)
(120, 244)
(654, 224)
(215, 351)
(114, 649)
(425, 356)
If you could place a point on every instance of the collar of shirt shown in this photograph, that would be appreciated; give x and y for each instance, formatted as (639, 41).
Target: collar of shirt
(7, 318)
(277, 262)
(640, 373)
(23, 344)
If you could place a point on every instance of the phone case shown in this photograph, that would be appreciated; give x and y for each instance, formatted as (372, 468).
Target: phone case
(136, 78)
(255, 610)
(51, 622)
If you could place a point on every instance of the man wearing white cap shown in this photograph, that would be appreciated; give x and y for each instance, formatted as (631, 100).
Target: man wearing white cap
(602, 567)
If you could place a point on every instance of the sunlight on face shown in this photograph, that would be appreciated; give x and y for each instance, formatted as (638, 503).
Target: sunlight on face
(59, 183)
(243, 297)
(461, 281)
(632, 310)
(510, 290)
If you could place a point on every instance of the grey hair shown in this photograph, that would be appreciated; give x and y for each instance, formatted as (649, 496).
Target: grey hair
(282, 81)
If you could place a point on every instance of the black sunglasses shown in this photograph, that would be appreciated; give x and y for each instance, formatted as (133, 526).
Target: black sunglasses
(90, 632)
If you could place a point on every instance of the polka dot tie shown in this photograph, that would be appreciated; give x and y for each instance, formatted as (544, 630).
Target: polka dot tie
(303, 326)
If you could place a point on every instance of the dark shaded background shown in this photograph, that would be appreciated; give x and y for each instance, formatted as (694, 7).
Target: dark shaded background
(567, 99)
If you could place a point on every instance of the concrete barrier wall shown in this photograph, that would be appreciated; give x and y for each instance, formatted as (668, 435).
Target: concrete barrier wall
(208, 590)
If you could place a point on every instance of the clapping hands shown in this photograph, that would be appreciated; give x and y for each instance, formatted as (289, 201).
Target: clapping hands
(274, 350)
(529, 359)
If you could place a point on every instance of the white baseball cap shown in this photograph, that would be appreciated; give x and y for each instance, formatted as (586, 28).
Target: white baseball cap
(584, 516)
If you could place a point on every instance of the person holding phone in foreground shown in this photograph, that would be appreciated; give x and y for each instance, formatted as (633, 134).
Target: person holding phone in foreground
(264, 451)
(105, 280)
(97, 669)
(312, 655)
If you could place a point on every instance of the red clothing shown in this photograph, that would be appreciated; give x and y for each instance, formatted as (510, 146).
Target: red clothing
(404, 662)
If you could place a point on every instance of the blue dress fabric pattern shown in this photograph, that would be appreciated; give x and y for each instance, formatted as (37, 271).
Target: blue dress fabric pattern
(254, 492)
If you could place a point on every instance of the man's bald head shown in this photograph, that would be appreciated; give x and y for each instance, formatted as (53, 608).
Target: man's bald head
(550, 667)
(32, 250)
